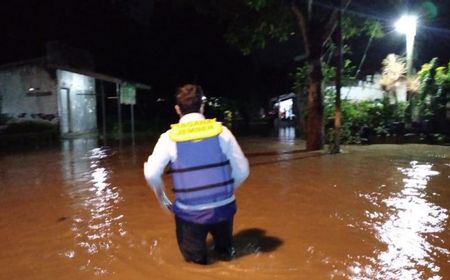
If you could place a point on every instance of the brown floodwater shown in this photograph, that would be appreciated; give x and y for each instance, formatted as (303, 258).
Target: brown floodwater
(83, 211)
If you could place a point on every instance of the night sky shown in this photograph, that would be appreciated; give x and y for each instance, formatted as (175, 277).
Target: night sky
(164, 45)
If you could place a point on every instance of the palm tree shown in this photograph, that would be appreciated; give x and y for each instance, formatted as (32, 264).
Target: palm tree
(393, 73)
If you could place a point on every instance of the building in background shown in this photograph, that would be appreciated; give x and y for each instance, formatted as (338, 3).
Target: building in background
(59, 89)
(370, 89)
(285, 106)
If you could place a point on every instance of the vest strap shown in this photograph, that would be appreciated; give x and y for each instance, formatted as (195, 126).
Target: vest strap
(194, 168)
(201, 188)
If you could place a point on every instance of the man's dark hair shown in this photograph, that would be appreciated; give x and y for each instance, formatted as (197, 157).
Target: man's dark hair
(189, 98)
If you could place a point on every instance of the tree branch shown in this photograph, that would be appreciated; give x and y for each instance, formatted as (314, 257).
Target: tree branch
(330, 26)
(310, 3)
(301, 20)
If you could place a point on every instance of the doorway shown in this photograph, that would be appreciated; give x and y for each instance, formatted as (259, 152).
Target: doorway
(66, 112)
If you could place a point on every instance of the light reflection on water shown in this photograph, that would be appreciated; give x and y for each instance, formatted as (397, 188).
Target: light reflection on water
(286, 134)
(95, 200)
(412, 224)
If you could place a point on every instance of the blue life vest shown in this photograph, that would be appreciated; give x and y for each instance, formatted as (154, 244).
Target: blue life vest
(201, 173)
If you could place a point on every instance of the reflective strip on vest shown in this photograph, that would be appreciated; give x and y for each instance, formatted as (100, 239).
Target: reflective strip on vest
(201, 175)
(195, 130)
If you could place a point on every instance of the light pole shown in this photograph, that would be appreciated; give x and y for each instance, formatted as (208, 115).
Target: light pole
(407, 25)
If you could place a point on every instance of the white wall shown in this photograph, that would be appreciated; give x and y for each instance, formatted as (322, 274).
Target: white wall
(17, 100)
(370, 90)
(77, 102)
(64, 97)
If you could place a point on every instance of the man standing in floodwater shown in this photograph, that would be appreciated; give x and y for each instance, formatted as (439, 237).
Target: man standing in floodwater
(207, 165)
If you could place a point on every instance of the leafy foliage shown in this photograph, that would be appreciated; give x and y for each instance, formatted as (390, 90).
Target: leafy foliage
(351, 26)
(434, 93)
(300, 75)
(380, 118)
(258, 22)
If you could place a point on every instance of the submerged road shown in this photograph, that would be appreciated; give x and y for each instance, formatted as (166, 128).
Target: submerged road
(83, 211)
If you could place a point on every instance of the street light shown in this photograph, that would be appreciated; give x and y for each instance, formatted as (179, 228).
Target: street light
(407, 25)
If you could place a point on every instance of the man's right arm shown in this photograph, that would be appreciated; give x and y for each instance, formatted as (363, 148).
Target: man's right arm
(154, 168)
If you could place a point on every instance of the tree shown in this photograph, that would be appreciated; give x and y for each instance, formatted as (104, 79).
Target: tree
(348, 28)
(314, 21)
(251, 24)
(254, 24)
(258, 22)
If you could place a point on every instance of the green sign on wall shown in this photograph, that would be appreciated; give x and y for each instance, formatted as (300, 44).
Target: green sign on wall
(128, 94)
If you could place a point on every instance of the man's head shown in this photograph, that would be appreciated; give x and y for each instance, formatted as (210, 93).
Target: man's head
(189, 99)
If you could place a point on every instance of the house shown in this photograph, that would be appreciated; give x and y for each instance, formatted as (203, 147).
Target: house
(59, 89)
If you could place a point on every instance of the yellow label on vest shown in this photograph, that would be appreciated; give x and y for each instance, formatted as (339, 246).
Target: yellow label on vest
(195, 130)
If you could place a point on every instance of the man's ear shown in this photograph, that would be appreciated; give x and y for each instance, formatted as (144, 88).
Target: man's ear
(178, 110)
(202, 108)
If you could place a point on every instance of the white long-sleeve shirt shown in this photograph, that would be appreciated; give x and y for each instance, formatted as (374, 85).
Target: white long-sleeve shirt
(165, 151)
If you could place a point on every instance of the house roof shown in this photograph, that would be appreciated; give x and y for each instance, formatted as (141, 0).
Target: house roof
(43, 61)
(99, 76)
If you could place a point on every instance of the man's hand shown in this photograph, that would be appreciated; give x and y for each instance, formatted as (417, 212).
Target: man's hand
(158, 188)
(164, 200)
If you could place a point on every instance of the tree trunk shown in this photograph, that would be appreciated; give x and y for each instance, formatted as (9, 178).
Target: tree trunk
(315, 29)
(314, 136)
(302, 106)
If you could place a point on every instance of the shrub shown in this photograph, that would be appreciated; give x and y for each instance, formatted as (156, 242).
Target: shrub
(4, 119)
(363, 119)
(30, 127)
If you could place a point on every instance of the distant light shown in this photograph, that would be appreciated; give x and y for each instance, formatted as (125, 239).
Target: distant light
(407, 25)
(33, 89)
